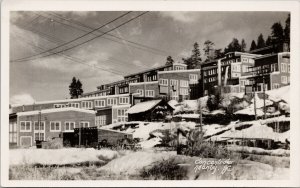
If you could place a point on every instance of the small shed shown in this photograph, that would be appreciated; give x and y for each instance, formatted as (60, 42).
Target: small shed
(154, 110)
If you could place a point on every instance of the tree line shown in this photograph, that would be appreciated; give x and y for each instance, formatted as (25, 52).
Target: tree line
(278, 36)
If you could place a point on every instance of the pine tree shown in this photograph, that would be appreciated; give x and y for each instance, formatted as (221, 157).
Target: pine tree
(169, 61)
(260, 41)
(253, 45)
(75, 88)
(194, 59)
(243, 45)
(287, 28)
(79, 88)
(277, 32)
(233, 46)
(268, 41)
(209, 50)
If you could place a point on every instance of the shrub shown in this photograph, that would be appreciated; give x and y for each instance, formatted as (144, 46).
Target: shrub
(165, 170)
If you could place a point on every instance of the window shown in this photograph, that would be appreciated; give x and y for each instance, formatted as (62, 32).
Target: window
(59, 105)
(13, 132)
(284, 79)
(99, 103)
(141, 92)
(184, 91)
(193, 77)
(39, 136)
(84, 124)
(75, 105)
(173, 82)
(55, 126)
(275, 86)
(25, 126)
(122, 115)
(163, 82)
(87, 104)
(288, 68)
(184, 83)
(112, 101)
(124, 100)
(100, 120)
(69, 126)
(149, 93)
(283, 67)
(273, 67)
(39, 126)
(174, 95)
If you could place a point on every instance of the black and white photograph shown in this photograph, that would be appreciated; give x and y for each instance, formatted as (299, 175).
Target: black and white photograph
(149, 94)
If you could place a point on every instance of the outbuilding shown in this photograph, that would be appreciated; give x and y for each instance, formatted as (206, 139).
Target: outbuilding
(154, 110)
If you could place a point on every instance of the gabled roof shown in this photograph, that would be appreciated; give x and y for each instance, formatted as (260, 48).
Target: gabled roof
(145, 106)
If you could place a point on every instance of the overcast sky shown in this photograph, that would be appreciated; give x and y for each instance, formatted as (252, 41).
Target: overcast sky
(167, 33)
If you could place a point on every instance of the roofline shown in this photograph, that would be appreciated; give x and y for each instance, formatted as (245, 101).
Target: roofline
(142, 83)
(176, 71)
(148, 70)
(243, 53)
(72, 100)
(53, 110)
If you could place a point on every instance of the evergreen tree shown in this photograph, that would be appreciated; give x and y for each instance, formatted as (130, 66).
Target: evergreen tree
(79, 88)
(75, 88)
(277, 32)
(260, 41)
(169, 61)
(287, 28)
(218, 53)
(195, 58)
(209, 50)
(268, 41)
(243, 45)
(233, 46)
(253, 45)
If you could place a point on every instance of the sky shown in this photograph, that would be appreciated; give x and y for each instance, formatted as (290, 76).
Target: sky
(142, 43)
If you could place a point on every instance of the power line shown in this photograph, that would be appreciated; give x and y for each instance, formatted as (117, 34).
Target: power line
(76, 60)
(57, 41)
(74, 39)
(120, 38)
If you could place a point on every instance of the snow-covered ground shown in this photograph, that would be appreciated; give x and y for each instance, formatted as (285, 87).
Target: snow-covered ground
(59, 156)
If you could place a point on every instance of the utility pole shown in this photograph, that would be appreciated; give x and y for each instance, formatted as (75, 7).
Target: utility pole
(255, 104)
(200, 115)
(264, 92)
(79, 135)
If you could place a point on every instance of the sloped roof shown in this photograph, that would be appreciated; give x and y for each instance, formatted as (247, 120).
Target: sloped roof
(143, 106)
(53, 110)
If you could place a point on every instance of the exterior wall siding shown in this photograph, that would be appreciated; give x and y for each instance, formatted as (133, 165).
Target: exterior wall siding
(133, 88)
(50, 105)
(71, 116)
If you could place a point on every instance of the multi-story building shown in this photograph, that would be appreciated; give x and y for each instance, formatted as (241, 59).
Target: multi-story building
(50, 123)
(175, 84)
(106, 110)
(271, 71)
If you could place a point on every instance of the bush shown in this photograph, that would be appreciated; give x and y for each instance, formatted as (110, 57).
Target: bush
(213, 102)
(209, 150)
(165, 170)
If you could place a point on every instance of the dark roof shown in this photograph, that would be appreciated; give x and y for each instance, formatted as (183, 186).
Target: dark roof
(148, 70)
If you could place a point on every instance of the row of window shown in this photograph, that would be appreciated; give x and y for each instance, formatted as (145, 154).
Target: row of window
(285, 67)
(123, 90)
(55, 126)
(183, 83)
(148, 93)
(97, 103)
(285, 79)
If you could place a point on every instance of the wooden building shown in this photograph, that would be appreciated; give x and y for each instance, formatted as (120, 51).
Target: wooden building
(154, 110)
